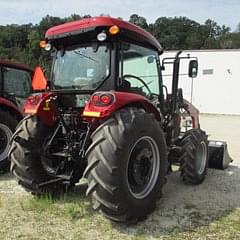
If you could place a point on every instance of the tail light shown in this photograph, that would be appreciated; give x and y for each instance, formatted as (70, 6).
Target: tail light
(105, 99)
(102, 99)
(95, 99)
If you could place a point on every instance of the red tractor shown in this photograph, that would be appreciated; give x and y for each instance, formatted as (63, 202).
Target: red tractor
(15, 87)
(105, 115)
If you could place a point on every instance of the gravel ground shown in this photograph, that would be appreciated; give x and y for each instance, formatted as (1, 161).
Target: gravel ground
(184, 207)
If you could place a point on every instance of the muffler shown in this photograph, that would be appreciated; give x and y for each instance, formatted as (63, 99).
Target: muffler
(218, 157)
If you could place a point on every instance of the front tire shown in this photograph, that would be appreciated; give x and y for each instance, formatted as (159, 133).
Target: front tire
(126, 165)
(194, 156)
(7, 127)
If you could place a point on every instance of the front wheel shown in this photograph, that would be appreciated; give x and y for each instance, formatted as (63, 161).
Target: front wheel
(126, 165)
(194, 156)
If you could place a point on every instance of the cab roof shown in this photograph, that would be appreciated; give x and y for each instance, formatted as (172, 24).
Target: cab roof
(12, 64)
(90, 24)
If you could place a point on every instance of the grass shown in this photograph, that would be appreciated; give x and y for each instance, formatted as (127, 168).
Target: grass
(70, 207)
(72, 218)
(26, 217)
(38, 205)
(74, 211)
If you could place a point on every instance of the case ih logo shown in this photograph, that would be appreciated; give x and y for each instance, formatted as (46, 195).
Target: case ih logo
(46, 107)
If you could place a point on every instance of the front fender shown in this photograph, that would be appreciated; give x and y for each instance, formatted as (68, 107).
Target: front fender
(121, 99)
(194, 113)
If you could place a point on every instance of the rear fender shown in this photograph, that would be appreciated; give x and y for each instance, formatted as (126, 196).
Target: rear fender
(42, 105)
(120, 100)
(9, 106)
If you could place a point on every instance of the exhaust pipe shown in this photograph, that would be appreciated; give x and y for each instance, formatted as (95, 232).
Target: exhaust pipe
(218, 157)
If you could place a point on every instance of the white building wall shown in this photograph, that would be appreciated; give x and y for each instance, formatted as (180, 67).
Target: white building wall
(217, 86)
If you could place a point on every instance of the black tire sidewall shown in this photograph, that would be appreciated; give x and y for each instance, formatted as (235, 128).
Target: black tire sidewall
(115, 139)
(27, 166)
(153, 131)
(9, 121)
(189, 174)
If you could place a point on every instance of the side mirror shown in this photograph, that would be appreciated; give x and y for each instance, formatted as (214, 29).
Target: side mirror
(193, 68)
(39, 82)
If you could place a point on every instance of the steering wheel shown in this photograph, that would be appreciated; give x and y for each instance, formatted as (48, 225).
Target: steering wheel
(140, 80)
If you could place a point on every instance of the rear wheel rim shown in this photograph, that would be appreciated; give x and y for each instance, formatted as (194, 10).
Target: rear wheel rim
(143, 167)
(5, 136)
(201, 158)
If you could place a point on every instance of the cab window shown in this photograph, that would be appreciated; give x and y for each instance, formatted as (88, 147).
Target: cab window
(17, 81)
(139, 70)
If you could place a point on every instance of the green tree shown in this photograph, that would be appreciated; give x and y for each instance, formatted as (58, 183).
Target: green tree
(230, 40)
(138, 20)
(48, 22)
(21, 42)
(214, 33)
(174, 33)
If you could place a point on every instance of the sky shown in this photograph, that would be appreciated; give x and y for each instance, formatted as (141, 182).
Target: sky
(224, 12)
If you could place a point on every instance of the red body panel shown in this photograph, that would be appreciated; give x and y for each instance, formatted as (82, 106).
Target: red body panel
(88, 23)
(10, 105)
(41, 105)
(122, 99)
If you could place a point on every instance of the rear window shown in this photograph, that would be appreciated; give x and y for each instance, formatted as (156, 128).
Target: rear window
(17, 81)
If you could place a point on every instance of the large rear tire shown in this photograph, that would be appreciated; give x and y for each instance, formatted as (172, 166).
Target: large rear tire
(194, 156)
(25, 156)
(7, 127)
(126, 165)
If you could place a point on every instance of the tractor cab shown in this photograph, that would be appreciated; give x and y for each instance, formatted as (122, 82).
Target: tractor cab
(15, 87)
(103, 54)
(15, 82)
(106, 54)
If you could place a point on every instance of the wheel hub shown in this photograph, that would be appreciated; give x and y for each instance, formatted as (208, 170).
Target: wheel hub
(201, 157)
(143, 167)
